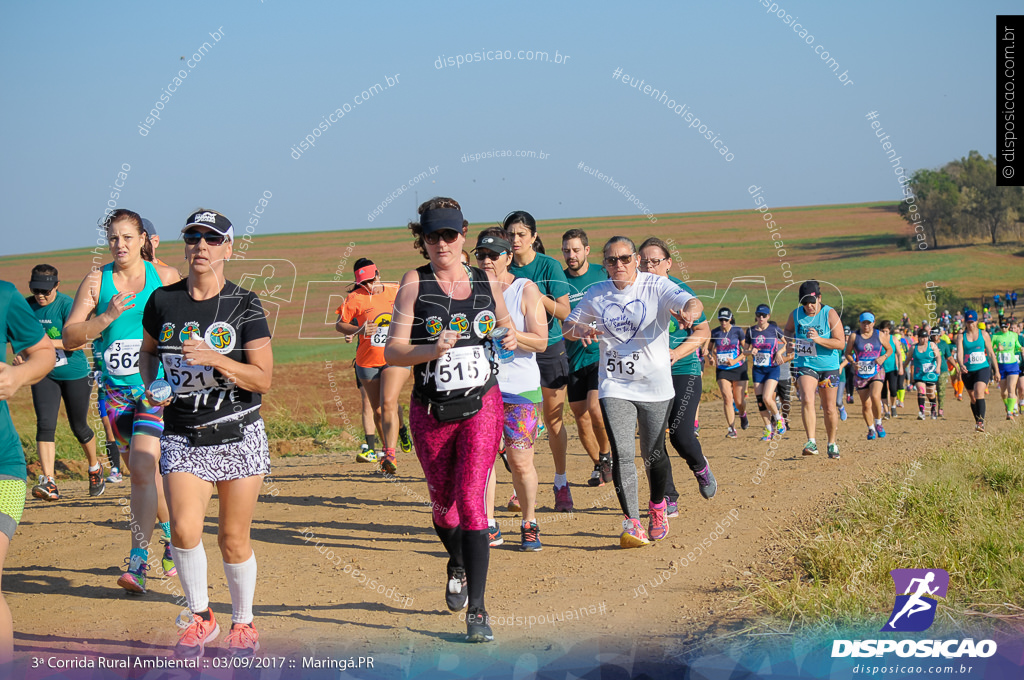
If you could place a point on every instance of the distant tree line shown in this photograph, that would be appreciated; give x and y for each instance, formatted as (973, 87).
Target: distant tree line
(960, 203)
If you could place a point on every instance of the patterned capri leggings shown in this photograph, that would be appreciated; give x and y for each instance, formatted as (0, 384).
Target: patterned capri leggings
(457, 458)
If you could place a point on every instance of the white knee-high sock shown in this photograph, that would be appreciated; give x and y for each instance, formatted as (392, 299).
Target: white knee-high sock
(191, 564)
(242, 586)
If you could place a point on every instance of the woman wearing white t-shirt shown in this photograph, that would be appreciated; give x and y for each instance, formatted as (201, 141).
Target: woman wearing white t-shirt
(629, 314)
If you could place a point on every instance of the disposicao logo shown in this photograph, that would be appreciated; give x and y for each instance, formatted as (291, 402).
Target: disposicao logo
(913, 612)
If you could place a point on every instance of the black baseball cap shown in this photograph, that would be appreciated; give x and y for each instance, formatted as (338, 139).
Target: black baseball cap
(725, 314)
(809, 288)
(495, 244)
(211, 219)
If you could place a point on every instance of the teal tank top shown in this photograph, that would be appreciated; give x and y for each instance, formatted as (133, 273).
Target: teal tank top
(809, 354)
(926, 365)
(890, 363)
(974, 357)
(120, 342)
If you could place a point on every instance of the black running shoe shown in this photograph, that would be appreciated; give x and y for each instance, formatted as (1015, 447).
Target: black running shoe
(744, 422)
(477, 629)
(456, 594)
(595, 477)
(606, 469)
(96, 484)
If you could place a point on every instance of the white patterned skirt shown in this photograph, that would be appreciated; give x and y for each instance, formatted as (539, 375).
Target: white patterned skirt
(219, 463)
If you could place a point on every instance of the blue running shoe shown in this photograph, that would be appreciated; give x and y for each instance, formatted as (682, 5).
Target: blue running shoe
(842, 413)
(872, 434)
(880, 430)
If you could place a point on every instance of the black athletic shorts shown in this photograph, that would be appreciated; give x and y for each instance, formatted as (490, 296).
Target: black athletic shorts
(581, 382)
(554, 366)
(732, 374)
(982, 375)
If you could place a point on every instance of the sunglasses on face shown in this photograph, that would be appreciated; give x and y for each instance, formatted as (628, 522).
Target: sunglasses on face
(624, 259)
(212, 238)
(449, 236)
(760, 314)
(651, 261)
(487, 255)
(40, 291)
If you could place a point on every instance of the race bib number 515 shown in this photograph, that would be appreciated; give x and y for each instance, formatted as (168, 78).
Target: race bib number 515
(461, 368)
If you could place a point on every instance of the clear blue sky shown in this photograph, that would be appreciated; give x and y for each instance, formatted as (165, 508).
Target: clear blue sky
(79, 78)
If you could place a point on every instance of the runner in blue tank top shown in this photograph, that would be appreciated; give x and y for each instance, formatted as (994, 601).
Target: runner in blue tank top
(977, 362)
(869, 352)
(925, 361)
(814, 333)
(108, 306)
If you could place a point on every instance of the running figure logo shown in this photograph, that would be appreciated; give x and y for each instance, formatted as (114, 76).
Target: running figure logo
(914, 610)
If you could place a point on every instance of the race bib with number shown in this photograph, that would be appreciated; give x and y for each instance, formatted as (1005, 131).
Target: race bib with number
(462, 368)
(379, 337)
(805, 347)
(122, 357)
(976, 358)
(763, 359)
(725, 358)
(184, 378)
(62, 359)
(929, 368)
(866, 369)
(1001, 357)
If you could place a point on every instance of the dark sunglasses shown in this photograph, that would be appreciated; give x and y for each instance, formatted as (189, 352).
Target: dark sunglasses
(212, 238)
(760, 314)
(41, 291)
(624, 259)
(487, 255)
(449, 236)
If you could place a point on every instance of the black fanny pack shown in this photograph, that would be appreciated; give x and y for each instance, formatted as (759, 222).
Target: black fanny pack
(215, 434)
(452, 409)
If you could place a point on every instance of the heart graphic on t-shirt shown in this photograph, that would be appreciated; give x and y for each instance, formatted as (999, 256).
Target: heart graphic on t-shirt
(623, 321)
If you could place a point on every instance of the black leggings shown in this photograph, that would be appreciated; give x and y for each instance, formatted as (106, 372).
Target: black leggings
(46, 396)
(681, 415)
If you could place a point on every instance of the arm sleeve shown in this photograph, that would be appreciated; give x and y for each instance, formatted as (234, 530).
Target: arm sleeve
(23, 328)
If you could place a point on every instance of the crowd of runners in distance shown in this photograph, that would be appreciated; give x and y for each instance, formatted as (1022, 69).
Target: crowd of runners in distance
(496, 338)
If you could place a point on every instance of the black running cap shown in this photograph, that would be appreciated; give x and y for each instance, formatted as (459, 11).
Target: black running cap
(42, 282)
(809, 289)
(440, 219)
(725, 314)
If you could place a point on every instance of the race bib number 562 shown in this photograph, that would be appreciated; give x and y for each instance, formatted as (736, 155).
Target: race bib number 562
(122, 357)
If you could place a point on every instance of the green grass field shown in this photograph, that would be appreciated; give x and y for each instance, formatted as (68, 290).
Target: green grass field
(961, 508)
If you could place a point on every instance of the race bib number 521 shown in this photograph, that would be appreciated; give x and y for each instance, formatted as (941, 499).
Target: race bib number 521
(185, 378)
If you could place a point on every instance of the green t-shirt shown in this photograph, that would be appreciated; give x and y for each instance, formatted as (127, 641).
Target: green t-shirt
(1006, 347)
(19, 327)
(580, 356)
(688, 365)
(70, 365)
(547, 274)
(946, 350)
